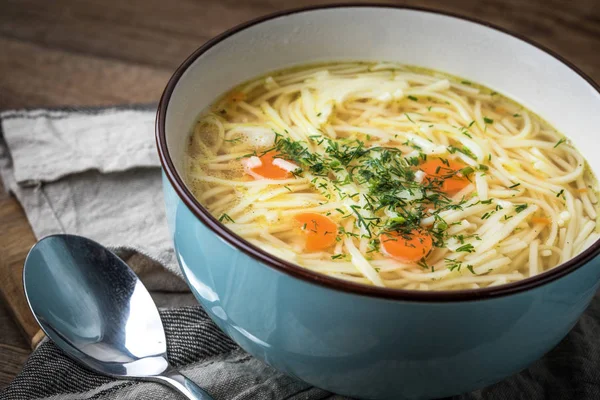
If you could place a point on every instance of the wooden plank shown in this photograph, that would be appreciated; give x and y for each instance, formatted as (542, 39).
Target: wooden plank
(159, 33)
(14, 349)
(34, 76)
(10, 333)
(16, 238)
(148, 32)
(13, 359)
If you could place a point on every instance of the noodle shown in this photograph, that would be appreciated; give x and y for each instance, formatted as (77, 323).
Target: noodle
(387, 175)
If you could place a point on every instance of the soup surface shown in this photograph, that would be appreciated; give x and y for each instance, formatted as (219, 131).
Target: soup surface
(392, 176)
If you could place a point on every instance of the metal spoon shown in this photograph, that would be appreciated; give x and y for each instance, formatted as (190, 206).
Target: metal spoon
(96, 310)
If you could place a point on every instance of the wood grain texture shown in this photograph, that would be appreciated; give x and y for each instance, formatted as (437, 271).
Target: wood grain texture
(49, 77)
(102, 52)
(12, 360)
(16, 242)
(142, 30)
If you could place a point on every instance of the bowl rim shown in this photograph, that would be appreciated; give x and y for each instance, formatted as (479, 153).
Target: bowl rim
(305, 274)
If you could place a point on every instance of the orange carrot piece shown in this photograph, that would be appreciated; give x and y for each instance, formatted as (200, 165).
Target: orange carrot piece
(445, 176)
(237, 96)
(268, 170)
(319, 229)
(406, 247)
(541, 220)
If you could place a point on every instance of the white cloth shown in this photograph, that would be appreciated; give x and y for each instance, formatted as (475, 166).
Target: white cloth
(95, 173)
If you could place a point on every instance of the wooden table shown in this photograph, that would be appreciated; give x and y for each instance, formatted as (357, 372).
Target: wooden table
(102, 52)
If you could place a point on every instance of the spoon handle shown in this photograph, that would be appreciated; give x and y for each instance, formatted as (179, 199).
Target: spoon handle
(184, 385)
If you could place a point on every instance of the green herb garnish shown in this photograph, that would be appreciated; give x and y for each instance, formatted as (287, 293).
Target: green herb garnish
(466, 247)
(521, 207)
(225, 217)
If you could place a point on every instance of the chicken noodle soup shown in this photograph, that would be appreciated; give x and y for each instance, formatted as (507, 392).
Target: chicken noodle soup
(392, 176)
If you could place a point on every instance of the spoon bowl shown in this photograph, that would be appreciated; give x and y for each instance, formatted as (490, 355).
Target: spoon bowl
(94, 307)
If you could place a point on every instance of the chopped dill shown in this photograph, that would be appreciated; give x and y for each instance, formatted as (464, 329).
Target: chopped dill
(386, 173)
(453, 265)
(225, 217)
(466, 248)
(453, 149)
(521, 207)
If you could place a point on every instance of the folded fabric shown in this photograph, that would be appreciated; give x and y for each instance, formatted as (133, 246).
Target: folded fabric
(94, 172)
(194, 344)
(46, 145)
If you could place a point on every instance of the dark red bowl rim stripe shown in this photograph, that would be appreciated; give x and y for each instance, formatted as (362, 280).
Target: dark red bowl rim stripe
(315, 278)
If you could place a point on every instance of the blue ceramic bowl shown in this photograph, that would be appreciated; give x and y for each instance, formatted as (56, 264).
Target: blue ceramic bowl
(352, 339)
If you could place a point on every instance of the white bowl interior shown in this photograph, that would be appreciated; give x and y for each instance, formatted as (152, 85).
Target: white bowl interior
(475, 52)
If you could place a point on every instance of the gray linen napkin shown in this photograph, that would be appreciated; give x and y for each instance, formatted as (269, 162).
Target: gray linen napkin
(94, 172)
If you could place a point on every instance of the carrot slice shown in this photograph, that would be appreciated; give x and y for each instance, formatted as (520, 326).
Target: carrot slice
(237, 96)
(541, 220)
(320, 230)
(446, 177)
(406, 247)
(268, 170)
